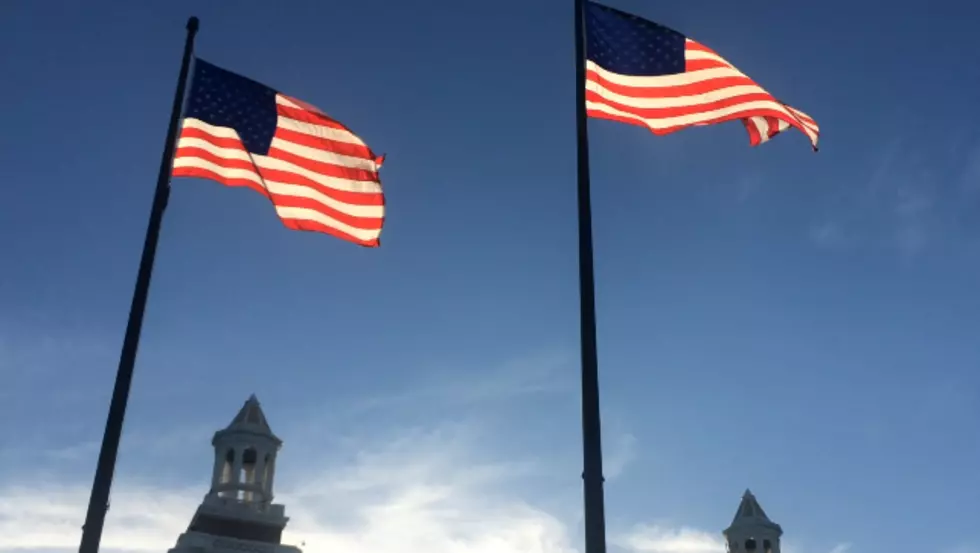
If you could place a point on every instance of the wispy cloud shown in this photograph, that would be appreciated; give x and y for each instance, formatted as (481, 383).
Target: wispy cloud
(620, 453)
(909, 202)
(48, 516)
(551, 372)
(425, 491)
(829, 235)
(432, 489)
(661, 539)
(38, 351)
(440, 486)
(969, 179)
(914, 209)
(748, 186)
(667, 538)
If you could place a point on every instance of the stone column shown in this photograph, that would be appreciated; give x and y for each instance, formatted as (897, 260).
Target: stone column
(259, 479)
(219, 466)
(236, 467)
(272, 477)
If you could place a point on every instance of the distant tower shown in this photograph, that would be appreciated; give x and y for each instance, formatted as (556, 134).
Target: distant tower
(237, 513)
(751, 531)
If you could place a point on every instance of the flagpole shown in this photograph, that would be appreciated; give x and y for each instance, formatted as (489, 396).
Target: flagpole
(595, 518)
(99, 500)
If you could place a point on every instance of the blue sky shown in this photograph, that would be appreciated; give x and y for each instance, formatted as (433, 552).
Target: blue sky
(803, 325)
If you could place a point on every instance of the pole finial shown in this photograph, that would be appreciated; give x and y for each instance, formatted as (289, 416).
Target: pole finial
(193, 23)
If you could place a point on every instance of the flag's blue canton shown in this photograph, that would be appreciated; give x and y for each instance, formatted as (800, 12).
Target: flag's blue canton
(224, 99)
(629, 45)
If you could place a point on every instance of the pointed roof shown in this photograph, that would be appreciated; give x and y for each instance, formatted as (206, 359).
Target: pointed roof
(750, 510)
(251, 418)
(750, 516)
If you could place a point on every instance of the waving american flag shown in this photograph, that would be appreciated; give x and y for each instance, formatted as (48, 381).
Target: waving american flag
(643, 73)
(318, 174)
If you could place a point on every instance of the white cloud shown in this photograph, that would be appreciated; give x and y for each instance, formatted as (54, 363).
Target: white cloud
(421, 492)
(426, 490)
(661, 539)
(439, 489)
(48, 516)
(621, 453)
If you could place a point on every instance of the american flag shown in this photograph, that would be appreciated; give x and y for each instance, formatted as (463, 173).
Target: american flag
(319, 175)
(643, 73)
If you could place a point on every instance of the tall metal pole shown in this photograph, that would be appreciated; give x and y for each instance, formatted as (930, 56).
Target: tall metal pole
(595, 517)
(99, 500)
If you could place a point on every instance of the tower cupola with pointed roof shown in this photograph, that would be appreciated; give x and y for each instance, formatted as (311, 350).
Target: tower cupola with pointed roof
(751, 530)
(237, 513)
(245, 456)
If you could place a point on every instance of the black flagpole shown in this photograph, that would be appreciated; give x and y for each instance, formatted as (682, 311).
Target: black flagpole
(99, 500)
(595, 517)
